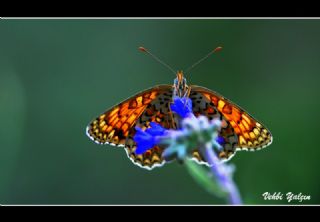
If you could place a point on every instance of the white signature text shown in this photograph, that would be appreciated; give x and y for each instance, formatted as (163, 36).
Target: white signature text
(288, 196)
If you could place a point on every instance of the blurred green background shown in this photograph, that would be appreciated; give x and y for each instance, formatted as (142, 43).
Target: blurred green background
(57, 75)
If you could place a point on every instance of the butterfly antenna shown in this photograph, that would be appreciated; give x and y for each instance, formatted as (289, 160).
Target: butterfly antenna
(142, 49)
(204, 58)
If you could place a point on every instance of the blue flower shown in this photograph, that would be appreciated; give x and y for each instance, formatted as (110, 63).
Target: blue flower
(149, 138)
(195, 132)
(220, 140)
(182, 106)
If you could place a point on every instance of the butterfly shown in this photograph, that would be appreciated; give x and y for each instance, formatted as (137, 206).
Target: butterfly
(116, 126)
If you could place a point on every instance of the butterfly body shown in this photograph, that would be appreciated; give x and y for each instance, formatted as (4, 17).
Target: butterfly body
(240, 131)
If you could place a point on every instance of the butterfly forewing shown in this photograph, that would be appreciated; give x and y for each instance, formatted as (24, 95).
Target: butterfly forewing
(117, 125)
(239, 129)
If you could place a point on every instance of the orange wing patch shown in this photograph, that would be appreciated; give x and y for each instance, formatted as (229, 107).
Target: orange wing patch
(114, 125)
(251, 134)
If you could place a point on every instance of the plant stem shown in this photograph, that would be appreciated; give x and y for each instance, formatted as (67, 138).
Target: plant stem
(220, 171)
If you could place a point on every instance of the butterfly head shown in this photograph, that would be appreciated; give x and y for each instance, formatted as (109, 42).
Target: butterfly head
(180, 85)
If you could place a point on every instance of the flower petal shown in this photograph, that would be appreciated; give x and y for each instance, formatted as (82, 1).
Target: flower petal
(147, 139)
(182, 106)
(220, 140)
(155, 129)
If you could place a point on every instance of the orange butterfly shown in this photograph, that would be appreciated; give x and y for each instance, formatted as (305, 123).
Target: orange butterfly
(117, 125)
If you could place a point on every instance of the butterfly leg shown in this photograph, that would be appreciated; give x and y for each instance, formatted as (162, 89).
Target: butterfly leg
(187, 93)
(172, 118)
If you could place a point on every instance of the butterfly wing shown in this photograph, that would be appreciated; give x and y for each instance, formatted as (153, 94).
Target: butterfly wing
(117, 125)
(239, 129)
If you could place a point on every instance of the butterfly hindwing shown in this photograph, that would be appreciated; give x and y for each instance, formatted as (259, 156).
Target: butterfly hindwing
(201, 106)
(117, 125)
(157, 111)
(239, 129)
